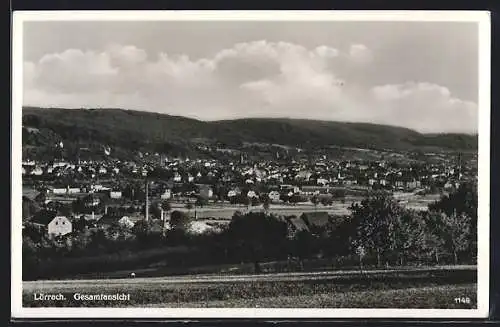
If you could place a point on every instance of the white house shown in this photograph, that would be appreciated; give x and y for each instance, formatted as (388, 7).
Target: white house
(97, 187)
(274, 196)
(252, 194)
(167, 194)
(59, 190)
(60, 225)
(115, 194)
(73, 190)
(37, 171)
(322, 181)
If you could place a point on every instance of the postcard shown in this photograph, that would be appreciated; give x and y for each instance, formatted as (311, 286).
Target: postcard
(261, 164)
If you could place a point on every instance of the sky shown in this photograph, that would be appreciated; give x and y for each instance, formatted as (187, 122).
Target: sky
(419, 75)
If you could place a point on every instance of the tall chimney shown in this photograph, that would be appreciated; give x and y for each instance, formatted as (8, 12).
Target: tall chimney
(162, 221)
(147, 200)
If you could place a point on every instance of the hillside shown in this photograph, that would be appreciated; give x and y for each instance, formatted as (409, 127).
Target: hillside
(133, 130)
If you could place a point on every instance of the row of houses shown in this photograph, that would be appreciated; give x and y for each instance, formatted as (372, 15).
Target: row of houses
(57, 225)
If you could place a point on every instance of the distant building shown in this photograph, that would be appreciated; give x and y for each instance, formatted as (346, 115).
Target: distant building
(59, 190)
(107, 221)
(167, 194)
(252, 194)
(37, 171)
(53, 224)
(206, 191)
(274, 196)
(115, 194)
(60, 225)
(73, 190)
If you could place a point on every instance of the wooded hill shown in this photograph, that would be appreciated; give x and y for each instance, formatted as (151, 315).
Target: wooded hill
(134, 130)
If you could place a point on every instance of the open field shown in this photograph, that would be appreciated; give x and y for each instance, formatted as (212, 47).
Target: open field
(412, 288)
(226, 211)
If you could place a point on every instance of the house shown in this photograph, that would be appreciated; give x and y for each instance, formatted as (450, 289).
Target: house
(54, 225)
(206, 191)
(97, 187)
(37, 171)
(252, 194)
(59, 190)
(322, 181)
(92, 201)
(167, 194)
(274, 196)
(115, 194)
(107, 221)
(177, 178)
(73, 190)
(413, 184)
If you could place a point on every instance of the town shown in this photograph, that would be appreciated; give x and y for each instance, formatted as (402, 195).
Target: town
(101, 193)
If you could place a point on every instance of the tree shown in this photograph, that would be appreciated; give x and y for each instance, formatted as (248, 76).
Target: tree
(463, 201)
(180, 221)
(200, 202)
(408, 236)
(142, 231)
(327, 201)
(376, 220)
(315, 201)
(456, 233)
(255, 201)
(246, 201)
(255, 236)
(433, 242)
(266, 205)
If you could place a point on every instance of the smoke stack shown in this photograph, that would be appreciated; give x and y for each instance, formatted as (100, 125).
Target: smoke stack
(147, 201)
(163, 221)
(93, 216)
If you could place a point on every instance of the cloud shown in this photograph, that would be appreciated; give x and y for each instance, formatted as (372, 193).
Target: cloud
(360, 53)
(251, 79)
(426, 107)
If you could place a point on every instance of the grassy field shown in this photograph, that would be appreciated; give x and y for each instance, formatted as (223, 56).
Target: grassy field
(414, 289)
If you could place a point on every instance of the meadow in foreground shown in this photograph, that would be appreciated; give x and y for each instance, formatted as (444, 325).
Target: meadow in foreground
(386, 292)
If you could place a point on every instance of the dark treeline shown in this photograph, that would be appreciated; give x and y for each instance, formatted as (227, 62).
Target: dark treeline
(379, 232)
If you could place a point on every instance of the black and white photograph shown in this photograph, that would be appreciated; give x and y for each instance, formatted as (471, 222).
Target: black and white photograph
(250, 164)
